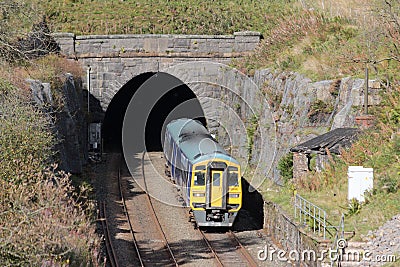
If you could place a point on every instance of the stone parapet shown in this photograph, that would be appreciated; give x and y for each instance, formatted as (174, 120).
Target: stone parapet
(157, 45)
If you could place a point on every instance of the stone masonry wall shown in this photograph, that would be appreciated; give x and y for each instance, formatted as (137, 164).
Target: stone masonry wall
(116, 59)
(289, 237)
(282, 102)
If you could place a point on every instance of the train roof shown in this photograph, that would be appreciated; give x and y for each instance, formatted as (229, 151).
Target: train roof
(195, 141)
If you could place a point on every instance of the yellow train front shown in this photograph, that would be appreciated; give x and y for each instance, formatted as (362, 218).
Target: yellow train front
(208, 175)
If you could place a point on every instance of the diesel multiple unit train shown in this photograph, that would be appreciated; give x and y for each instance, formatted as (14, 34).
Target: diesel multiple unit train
(208, 175)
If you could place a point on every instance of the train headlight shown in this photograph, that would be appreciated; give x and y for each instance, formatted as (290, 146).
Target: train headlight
(197, 194)
(233, 195)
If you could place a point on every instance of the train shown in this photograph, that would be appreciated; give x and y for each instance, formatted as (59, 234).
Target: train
(209, 177)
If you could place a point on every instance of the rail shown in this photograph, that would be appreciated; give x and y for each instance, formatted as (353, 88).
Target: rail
(155, 216)
(210, 247)
(107, 237)
(243, 250)
(129, 220)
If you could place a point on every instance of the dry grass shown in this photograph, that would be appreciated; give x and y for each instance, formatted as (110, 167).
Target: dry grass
(344, 8)
(44, 224)
(44, 220)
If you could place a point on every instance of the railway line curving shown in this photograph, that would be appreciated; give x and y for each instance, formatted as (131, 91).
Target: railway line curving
(155, 239)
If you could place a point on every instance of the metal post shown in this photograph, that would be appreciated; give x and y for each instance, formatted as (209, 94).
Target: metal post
(88, 86)
(319, 221)
(366, 92)
(300, 209)
(314, 221)
(324, 224)
(88, 103)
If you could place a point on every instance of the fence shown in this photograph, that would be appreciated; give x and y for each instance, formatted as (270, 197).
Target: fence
(339, 235)
(313, 216)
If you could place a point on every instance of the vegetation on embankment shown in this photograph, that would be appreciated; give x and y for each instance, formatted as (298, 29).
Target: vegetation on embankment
(321, 39)
(377, 148)
(166, 17)
(45, 220)
(334, 40)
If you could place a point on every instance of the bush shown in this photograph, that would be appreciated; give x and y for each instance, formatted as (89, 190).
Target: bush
(25, 141)
(285, 167)
(42, 217)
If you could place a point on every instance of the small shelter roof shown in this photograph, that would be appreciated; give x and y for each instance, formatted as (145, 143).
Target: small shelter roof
(333, 140)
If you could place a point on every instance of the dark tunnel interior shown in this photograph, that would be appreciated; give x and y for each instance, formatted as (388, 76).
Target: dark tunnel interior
(160, 112)
(114, 117)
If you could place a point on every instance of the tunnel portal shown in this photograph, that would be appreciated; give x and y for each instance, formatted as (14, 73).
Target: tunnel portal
(141, 109)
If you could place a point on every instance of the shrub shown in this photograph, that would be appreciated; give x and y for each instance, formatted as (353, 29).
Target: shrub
(285, 167)
(354, 207)
(25, 141)
(319, 110)
(44, 222)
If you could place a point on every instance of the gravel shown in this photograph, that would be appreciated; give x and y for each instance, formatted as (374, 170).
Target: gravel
(384, 242)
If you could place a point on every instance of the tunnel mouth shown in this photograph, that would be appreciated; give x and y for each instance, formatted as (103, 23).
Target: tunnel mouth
(171, 99)
(160, 115)
(114, 116)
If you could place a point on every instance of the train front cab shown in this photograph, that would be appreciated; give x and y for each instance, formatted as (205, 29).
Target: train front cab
(215, 195)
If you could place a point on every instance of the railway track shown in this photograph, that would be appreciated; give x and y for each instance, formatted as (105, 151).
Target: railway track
(227, 249)
(155, 218)
(148, 239)
(111, 256)
(135, 243)
(143, 249)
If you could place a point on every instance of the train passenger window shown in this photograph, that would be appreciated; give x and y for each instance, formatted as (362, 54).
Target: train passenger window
(199, 178)
(233, 176)
(216, 179)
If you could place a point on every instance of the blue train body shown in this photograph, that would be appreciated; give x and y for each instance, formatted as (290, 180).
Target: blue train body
(208, 175)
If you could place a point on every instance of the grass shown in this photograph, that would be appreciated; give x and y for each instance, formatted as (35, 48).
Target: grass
(320, 39)
(377, 148)
(160, 16)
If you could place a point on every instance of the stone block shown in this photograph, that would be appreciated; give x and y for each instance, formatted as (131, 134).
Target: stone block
(155, 44)
(181, 43)
(239, 47)
(247, 37)
(66, 42)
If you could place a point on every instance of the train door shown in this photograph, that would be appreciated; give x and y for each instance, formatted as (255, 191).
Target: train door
(216, 185)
